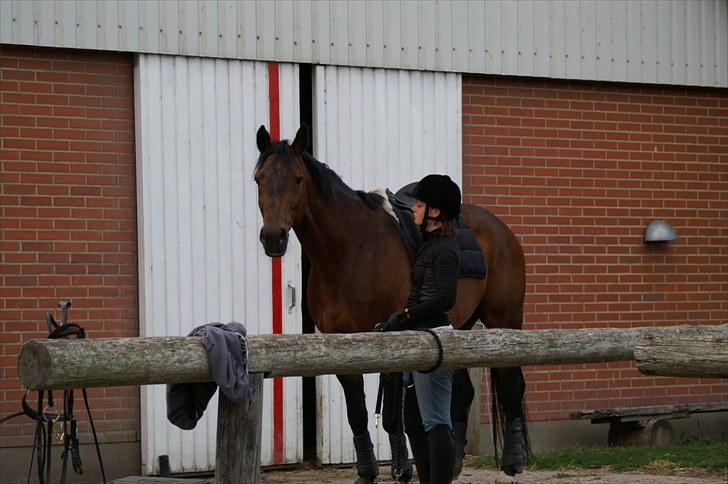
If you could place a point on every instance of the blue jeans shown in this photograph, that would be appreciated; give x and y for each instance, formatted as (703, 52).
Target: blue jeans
(434, 391)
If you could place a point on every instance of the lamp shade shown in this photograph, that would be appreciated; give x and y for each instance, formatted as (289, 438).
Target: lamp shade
(660, 231)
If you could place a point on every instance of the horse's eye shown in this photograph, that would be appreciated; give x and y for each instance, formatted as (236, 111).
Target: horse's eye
(299, 179)
(256, 180)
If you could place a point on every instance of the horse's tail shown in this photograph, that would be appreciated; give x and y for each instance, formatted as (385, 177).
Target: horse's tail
(497, 415)
(498, 418)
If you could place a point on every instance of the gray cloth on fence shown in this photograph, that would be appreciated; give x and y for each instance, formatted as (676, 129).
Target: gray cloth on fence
(227, 353)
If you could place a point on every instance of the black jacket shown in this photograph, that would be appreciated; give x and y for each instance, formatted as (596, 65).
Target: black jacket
(434, 282)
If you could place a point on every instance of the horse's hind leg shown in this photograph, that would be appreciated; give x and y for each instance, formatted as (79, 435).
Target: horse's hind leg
(508, 385)
(510, 388)
(356, 412)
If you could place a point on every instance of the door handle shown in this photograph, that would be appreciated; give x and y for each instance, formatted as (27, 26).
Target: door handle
(291, 297)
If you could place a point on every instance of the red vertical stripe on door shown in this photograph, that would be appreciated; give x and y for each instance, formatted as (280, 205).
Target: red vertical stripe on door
(276, 280)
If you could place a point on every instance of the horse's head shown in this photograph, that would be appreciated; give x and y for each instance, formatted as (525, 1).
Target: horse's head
(280, 175)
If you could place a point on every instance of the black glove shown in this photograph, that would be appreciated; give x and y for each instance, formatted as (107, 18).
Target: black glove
(397, 321)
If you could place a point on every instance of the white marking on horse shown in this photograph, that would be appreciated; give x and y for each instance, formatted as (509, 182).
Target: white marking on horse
(382, 192)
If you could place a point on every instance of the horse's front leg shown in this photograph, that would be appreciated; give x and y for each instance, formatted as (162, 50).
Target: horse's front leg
(356, 412)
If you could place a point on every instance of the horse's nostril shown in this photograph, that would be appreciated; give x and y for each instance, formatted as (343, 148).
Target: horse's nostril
(274, 240)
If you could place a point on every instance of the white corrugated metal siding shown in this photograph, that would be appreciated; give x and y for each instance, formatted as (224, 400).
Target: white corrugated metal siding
(199, 256)
(378, 127)
(649, 41)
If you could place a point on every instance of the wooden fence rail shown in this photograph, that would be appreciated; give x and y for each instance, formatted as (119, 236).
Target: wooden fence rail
(675, 351)
(695, 351)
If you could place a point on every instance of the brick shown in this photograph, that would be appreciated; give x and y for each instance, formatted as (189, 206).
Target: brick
(54, 99)
(18, 97)
(17, 120)
(18, 143)
(18, 75)
(52, 122)
(53, 145)
(76, 89)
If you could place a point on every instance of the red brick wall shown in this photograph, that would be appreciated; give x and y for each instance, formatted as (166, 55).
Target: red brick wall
(578, 170)
(68, 215)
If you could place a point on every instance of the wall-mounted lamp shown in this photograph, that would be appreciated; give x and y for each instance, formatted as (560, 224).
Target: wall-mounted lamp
(660, 231)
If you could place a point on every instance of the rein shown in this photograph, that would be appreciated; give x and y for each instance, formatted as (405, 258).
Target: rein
(397, 423)
(46, 421)
(438, 364)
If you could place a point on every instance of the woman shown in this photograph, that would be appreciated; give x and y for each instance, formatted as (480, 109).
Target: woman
(434, 287)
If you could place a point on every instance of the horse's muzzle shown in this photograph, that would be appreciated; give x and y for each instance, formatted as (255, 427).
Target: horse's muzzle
(275, 241)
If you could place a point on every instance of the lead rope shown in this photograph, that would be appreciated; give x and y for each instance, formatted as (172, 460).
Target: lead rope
(67, 405)
(398, 409)
(437, 365)
(398, 398)
(440, 352)
(378, 405)
(399, 425)
(93, 430)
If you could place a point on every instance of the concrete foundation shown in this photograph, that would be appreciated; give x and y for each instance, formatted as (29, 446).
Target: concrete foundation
(120, 459)
(554, 436)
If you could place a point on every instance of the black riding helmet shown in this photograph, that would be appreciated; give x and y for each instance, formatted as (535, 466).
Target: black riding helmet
(439, 191)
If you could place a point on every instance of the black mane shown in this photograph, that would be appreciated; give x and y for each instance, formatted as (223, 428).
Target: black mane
(324, 177)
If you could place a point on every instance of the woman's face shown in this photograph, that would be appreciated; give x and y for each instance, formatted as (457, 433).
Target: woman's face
(419, 210)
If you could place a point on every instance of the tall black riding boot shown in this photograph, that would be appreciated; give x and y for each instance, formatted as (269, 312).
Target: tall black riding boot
(442, 454)
(420, 446)
(367, 467)
(418, 440)
(459, 433)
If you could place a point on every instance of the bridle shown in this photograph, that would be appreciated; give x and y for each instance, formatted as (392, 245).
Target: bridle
(46, 420)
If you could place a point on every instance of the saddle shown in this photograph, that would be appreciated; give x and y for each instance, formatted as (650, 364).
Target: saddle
(472, 262)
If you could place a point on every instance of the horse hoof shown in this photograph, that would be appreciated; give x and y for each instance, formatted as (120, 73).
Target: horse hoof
(504, 478)
(364, 480)
(402, 478)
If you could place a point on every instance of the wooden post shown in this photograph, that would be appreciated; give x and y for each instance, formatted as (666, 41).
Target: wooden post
(239, 429)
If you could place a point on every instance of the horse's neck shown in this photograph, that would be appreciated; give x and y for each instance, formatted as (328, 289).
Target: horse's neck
(329, 233)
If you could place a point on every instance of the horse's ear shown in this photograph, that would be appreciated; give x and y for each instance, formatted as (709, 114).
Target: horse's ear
(263, 139)
(301, 142)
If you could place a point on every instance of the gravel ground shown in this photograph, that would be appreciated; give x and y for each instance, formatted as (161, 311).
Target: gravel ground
(480, 476)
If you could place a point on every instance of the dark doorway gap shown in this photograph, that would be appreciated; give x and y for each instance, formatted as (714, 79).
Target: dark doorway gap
(305, 73)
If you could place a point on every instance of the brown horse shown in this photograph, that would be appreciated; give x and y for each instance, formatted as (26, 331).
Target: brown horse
(360, 274)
